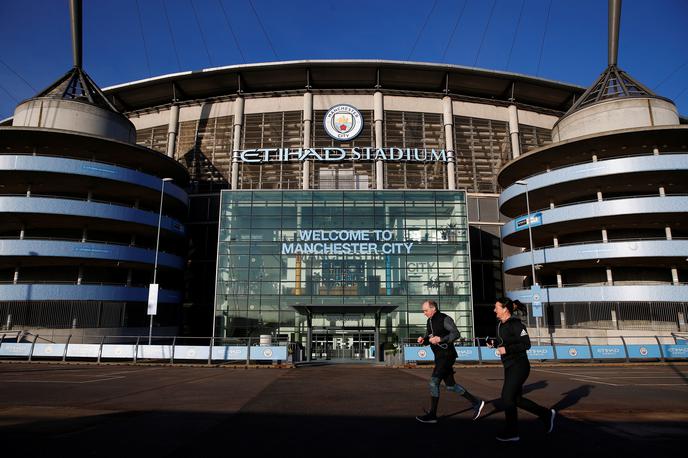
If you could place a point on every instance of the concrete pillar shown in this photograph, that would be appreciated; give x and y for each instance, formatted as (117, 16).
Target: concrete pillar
(674, 276)
(89, 195)
(22, 232)
(610, 277)
(599, 196)
(555, 241)
(236, 139)
(605, 238)
(80, 275)
(448, 111)
(15, 279)
(551, 203)
(172, 128)
(307, 126)
(28, 191)
(560, 282)
(84, 235)
(378, 117)
(667, 231)
(615, 322)
(594, 157)
(655, 151)
(513, 132)
(662, 191)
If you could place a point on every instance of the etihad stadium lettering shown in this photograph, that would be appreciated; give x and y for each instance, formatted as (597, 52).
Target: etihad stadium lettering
(342, 154)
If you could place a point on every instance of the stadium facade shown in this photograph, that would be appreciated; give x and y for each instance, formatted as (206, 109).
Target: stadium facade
(422, 169)
(328, 199)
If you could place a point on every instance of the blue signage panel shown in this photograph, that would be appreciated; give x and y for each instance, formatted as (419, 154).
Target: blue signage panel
(230, 353)
(15, 349)
(644, 351)
(467, 353)
(675, 351)
(573, 352)
(489, 354)
(83, 350)
(522, 222)
(418, 354)
(536, 298)
(608, 352)
(191, 352)
(48, 350)
(541, 352)
(118, 351)
(155, 351)
(268, 353)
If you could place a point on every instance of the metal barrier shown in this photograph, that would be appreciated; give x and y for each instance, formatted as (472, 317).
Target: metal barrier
(136, 348)
(590, 349)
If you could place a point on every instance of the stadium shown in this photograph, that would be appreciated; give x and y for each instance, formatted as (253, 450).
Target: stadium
(328, 198)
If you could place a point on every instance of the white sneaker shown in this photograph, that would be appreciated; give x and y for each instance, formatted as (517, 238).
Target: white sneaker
(507, 438)
(553, 413)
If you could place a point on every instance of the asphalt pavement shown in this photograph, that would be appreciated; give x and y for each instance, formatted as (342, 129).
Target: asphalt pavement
(332, 411)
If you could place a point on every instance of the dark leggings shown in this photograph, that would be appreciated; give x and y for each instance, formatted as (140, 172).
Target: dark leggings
(515, 375)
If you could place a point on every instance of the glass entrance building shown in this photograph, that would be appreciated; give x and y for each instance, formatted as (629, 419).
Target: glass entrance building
(351, 265)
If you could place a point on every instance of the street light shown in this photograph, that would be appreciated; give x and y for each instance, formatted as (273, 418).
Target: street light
(155, 266)
(532, 254)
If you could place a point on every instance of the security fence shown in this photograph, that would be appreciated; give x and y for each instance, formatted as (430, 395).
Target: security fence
(263, 350)
(568, 349)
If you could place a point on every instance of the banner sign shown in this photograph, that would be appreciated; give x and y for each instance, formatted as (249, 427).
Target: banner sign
(118, 351)
(154, 352)
(467, 353)
(489, 354)
(644, 351)
(268, 353)
(153, 299)
(608, 352)
(360, 241)
(418, 354)
(675, 351)
(573, 352)
(230, 353)
(191, 352)
(536, 297)
(48, 350)
(522, 222)
(541, 352)
(83, 350)
(15, 349)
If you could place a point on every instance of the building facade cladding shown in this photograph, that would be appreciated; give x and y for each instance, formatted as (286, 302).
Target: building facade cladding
(609, 229)
(478, 131)
(78, 223)
(281, 249)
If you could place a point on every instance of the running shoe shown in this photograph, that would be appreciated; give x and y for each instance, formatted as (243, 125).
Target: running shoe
(508, 437)
(477, 409)
(549, 423)
(427, 418)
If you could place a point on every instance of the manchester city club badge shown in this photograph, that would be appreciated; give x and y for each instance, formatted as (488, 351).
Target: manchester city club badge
(343, 122)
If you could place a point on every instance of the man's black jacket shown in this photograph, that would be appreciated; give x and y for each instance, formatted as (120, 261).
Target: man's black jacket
(442, 326)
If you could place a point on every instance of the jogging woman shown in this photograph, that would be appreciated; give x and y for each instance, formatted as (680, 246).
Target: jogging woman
(512, 342)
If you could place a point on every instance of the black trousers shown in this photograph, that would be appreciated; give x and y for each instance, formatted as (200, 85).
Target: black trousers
(515, 375)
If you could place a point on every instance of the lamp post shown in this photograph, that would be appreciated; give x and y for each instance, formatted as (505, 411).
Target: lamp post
(155, 265)
(532, 254)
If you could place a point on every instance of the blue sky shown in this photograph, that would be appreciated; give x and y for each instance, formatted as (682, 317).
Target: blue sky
(564, 40)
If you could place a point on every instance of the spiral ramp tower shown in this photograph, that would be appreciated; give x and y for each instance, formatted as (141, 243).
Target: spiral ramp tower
(79, 214)
(609, 210)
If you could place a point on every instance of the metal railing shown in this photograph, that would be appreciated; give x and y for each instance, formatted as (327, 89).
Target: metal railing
(567, 349)
(135, 349)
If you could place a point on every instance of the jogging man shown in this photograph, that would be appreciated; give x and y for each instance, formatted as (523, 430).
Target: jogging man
(440, 334)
